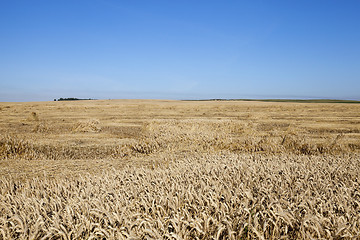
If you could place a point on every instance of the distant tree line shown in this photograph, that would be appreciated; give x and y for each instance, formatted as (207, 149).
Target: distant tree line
(284, 100)
(72, 99)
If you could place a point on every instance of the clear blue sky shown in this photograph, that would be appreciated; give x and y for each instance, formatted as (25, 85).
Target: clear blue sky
(179, 49)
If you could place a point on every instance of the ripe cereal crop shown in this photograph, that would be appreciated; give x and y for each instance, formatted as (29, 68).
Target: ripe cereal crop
(151, 169)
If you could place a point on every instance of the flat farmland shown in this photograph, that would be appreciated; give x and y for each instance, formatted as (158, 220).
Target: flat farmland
(158, 169)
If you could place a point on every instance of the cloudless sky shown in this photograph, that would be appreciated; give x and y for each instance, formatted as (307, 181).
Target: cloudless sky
(179, 49)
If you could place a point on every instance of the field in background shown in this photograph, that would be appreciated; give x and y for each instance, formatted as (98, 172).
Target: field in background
(118, 130)
(179, 169)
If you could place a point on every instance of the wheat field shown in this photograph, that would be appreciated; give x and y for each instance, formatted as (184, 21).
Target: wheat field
(156, 169)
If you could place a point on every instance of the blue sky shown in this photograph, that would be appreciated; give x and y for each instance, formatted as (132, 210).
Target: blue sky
(179, 49)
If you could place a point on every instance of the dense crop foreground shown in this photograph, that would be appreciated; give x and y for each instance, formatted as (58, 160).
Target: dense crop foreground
(214, 197)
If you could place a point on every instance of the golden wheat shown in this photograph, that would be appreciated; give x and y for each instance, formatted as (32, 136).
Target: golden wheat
(221, 197)
(134, 169)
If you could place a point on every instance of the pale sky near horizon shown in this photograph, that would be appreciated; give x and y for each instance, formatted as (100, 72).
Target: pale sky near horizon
(108, 49)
